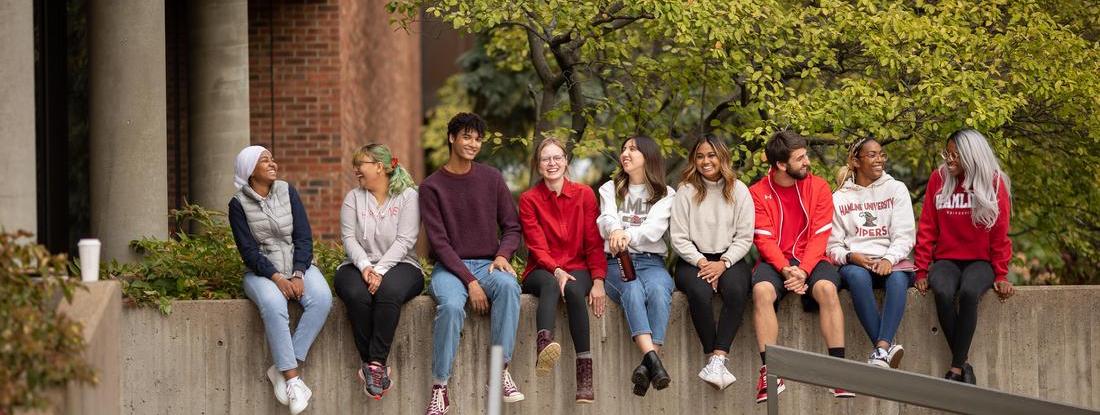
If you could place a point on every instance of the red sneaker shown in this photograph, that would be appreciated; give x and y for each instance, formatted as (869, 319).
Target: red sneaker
(762, 385)
(841, 393)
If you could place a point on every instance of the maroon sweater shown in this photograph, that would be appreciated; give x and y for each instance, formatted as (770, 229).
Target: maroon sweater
(463, 214)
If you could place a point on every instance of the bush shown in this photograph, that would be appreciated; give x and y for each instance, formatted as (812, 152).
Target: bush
(200, 266)
(39, 348)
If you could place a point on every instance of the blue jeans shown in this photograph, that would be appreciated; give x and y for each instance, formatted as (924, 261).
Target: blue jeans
(450, 296)
(860, 282)
(286, 348)
(647, 299)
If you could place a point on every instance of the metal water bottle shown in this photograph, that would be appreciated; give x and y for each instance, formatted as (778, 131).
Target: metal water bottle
(626, 266)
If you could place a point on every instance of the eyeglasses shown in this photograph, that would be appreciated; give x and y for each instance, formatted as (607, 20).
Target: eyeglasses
(874, 155)
(555, 159)
(949, 156)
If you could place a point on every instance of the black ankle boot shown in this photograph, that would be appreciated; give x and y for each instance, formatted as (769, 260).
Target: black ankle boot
(657, 374)
(640, 379)
(958, 377)
(968, 374)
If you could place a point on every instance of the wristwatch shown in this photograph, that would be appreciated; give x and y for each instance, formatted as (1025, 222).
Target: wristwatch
(297, 274)
(727, 263)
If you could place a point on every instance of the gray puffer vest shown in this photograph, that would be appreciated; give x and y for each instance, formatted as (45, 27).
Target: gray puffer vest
(272, 222)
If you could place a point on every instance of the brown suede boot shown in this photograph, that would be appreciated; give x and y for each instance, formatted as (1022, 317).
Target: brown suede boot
(584, 381)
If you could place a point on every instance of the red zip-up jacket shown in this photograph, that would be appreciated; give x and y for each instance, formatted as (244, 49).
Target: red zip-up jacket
(817, 207)
(561, 230)
(946, 230)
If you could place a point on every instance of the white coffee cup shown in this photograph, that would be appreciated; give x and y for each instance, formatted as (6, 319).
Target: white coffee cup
(89, 259)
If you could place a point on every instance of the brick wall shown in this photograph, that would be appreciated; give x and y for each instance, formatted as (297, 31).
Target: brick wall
(294, 67)
(302, 66)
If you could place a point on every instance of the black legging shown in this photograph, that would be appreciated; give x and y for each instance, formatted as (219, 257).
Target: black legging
(542, 284)
(374, 318)
(967, 281)
(733, 287)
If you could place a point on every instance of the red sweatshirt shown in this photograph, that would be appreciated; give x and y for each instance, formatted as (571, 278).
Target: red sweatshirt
(773, 229)
(561, 230)
(960, 238)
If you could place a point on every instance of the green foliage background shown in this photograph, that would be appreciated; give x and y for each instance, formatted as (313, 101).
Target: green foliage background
(1025, 73)
(39, 348)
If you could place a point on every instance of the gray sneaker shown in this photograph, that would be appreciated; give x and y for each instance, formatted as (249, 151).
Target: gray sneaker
(878, 358)
(894, 355)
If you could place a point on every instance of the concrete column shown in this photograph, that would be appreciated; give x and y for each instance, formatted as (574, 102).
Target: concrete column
(380, 84)
(218, 92)
(18, 180)
(127, 116)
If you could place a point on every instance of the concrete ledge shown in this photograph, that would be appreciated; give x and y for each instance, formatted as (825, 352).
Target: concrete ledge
(99, 310)
(209, 357)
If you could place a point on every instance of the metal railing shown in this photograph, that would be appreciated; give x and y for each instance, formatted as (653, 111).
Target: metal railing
(900, 386)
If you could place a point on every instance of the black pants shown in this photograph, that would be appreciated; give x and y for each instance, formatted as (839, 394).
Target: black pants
(374, 318)
(542, 284)
(733, 287)
(965, 281)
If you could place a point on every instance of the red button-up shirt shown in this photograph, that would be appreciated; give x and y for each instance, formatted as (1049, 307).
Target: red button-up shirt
(560, 230)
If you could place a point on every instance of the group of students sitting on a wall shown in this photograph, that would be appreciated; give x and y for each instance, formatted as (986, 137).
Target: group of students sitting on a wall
(812, 242)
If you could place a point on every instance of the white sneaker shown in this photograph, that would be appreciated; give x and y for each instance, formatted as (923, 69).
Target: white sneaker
(298, 394)
(727, 377)
(878, 358)
(277, 382)
(894, 355)
(712, 372)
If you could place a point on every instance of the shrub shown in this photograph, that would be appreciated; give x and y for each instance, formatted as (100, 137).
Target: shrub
(204, 265)
(39, 348)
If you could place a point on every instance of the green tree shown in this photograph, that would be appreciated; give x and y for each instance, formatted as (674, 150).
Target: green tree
(1025, 73)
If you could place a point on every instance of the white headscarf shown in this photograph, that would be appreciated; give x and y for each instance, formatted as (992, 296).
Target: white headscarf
(246, 163)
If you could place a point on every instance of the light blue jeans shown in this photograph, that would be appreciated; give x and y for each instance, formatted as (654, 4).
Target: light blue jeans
(450, 295)
(647, 299)
(860, 283)
(288, 349)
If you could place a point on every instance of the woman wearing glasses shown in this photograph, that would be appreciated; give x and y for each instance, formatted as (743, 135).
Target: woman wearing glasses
(963, 247)
(873, 232)
(565, 259)
(379, 223)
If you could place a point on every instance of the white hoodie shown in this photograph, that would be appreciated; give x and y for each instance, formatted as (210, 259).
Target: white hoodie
(876, 220)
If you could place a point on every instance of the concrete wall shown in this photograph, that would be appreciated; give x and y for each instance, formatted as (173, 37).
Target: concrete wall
(99, 310)
(209, 357)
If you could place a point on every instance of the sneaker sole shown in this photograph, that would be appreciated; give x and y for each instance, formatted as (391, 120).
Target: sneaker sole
(896, 361)
(548, 358)
(878, 363)
(847, 395)
(778, 390)
(661, 383)
(586, 401)
(513, 398)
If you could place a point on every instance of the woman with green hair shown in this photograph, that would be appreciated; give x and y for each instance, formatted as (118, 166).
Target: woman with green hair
(379, 223)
